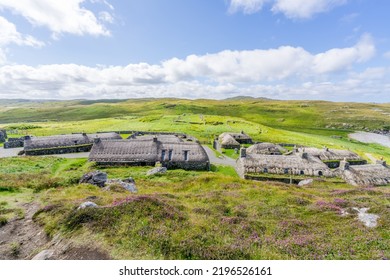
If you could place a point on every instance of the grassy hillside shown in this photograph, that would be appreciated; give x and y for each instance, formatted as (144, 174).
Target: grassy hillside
(313, 123)
(198, 215)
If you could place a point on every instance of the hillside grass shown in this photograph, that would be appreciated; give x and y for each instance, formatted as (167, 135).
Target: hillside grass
(205, 215)
(192, 214)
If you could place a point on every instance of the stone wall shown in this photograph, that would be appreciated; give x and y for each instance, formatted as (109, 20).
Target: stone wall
(187, 165)
(60, 150)
(336, 163)
(3, 135)
(14, 143)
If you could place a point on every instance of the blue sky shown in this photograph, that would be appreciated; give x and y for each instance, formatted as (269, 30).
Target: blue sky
(285, 49)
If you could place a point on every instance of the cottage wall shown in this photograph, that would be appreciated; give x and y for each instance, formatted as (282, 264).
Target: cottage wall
(59, 150)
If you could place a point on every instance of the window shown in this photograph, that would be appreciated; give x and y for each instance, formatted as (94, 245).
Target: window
(162, 155)
(286, 171)
(170, 155)
(186, 155)
(320, 173)
(265, 170)
(302, 172)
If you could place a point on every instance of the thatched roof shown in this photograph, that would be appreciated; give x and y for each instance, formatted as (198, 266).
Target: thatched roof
(266, 149)
(236, 136)
(228, 140)
(283, 162)
(67, 140)
(367, 175)
(147, 150)
(330, 154)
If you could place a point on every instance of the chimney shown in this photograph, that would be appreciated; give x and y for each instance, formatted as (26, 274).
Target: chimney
(303, 154)
(84, 134)
(27, 137)
(344, 164)
(243, 153)
(155, 139)
(326, 149)
(97, 140)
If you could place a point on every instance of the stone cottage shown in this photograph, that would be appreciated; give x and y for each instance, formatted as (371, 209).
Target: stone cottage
(62, 144)
(365, 175)
(295, 164)
(230, 140)
(170, 150)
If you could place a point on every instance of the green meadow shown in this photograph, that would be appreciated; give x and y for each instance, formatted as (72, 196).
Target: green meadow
(199, 215)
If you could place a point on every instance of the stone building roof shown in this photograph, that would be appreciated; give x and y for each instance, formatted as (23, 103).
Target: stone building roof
(148, 150)
(330, 154)
(367, 175)
(266, 149)
(68, 140)
(228, 140)
(283, 162)
(237, 136)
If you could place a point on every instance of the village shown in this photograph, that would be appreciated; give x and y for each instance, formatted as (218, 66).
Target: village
(288, 163)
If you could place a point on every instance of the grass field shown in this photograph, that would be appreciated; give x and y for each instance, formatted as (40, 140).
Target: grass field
(200, 215)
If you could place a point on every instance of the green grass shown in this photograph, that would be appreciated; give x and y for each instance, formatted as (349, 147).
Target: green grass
(194, 214)
(210, 215)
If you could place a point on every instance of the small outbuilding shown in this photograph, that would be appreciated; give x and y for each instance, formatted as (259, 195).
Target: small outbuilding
(231, 140)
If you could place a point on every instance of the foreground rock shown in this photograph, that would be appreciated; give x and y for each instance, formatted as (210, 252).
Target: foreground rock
(305, 182)
(44, 255)
(88, 204)
(96, 178)
(127, 184)
(369, 220)
(157, 170)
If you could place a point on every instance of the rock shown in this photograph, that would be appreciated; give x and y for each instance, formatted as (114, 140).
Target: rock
(96, 178)
(369, 220)
(156, 170)
(127, 184)
(88, 204)
(305, 182)
(44, 255)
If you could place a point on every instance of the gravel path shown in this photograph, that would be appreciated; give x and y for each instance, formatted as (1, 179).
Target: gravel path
(216, 160)
(368, 137)
(4, 153)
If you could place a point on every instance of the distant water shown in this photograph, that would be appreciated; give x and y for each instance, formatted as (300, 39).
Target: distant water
(369, 137)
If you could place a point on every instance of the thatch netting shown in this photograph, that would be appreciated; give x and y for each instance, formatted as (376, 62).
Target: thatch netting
(367, 175)
(331, 154)
(266, 149)
(147, 150)
(67, 140)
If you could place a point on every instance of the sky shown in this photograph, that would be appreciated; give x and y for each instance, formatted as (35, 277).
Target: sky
(337, 50)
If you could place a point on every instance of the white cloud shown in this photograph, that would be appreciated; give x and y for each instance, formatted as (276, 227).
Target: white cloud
(338, 59)
(246, 6)
(58, 16)
(10, 35)
(285, 72)
(106, 17)
(302, 9)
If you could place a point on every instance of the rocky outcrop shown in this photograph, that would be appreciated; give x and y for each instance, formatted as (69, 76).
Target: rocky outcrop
(87, 204)
(156, 170)
(127, 184)
(97, 178)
